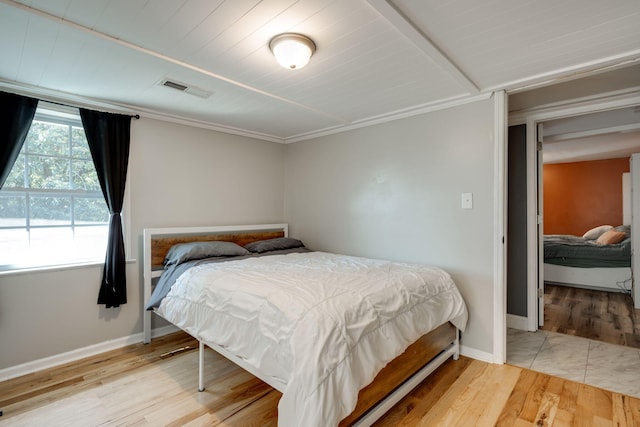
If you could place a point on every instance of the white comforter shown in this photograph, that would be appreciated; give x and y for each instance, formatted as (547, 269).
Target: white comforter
(324, 324)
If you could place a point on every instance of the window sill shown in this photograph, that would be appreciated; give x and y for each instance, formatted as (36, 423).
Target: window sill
(53, 268)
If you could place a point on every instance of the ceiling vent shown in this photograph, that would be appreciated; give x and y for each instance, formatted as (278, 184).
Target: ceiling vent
(186, 88)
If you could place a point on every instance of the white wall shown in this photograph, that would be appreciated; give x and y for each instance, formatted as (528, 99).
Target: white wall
(393, 191)
(178, 176)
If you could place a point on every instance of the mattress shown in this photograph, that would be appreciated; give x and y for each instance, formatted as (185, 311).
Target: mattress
(574, 251)
(323, 324)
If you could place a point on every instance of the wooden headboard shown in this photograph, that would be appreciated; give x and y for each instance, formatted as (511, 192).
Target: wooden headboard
(158, 241)
(160, 244)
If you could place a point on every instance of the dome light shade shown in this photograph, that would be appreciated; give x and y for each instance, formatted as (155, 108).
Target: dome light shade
(292, 50)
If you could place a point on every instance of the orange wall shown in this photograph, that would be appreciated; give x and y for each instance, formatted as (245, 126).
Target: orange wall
(582, 195)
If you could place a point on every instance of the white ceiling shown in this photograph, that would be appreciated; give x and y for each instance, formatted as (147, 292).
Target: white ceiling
(603, 135)
(595, 147)
(375, 59)
(595, 136)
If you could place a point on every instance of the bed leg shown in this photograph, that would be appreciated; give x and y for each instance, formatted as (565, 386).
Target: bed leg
(456, 343)
(146, 327)
(200, 366)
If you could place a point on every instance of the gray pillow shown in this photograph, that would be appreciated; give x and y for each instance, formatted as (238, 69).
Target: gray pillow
(184, 252)
(626, 229)
(276, 244)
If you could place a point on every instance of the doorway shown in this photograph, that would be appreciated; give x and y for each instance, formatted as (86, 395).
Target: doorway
(586, 277)
(529, 345)
(521, 314)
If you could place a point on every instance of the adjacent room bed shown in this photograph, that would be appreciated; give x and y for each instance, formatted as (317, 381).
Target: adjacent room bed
(343, 338)
(600, 259)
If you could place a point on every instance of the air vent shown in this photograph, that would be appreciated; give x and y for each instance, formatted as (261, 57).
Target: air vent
(186, 88)
(174, 85)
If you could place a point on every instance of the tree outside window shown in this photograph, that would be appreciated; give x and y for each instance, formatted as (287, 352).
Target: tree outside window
(52, 210)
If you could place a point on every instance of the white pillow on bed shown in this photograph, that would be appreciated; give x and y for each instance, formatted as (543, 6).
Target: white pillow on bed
(596, 232)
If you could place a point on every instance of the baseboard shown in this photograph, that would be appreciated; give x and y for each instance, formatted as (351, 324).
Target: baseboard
(80, 353)
(517, 322)
(92, 350)
(477, 354)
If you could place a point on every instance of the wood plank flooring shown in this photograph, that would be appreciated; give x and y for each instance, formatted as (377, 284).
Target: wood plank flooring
(137, 386)
(598, 315)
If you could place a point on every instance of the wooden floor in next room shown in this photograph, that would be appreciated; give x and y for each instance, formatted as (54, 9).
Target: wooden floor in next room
(143, 385)
(599, 315)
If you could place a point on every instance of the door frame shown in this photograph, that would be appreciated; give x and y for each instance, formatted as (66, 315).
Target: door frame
(538, 299)
(532, 117)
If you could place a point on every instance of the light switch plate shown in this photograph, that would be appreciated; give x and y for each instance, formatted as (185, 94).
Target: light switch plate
(467, 200)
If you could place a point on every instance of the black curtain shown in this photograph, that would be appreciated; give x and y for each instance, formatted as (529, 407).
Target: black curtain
(108, 136)
(16, 115)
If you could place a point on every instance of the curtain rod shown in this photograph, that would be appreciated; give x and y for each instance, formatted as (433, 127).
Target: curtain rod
(133, 116)
(25, 91)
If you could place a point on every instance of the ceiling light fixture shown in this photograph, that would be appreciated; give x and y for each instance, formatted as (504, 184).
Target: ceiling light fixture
(292, 50)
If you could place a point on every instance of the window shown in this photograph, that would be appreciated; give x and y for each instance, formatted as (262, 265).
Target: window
(52, 210)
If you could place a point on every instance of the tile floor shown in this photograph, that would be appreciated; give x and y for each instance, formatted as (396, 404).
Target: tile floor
(608, 366)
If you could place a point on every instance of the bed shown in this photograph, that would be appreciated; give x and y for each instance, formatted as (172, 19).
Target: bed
(595, 260)
(343, 338)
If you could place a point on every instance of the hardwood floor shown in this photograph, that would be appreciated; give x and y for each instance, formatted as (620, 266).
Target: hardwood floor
(142, 385)
(598, 315)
